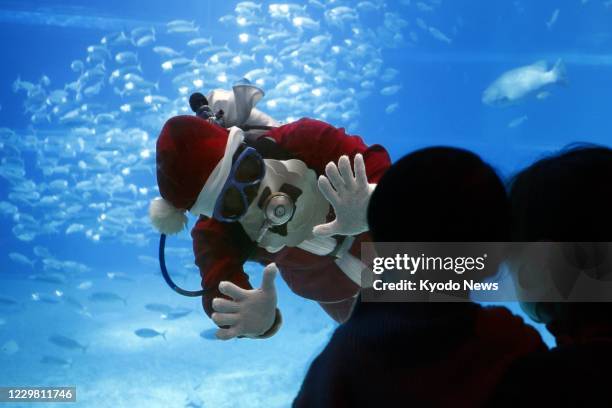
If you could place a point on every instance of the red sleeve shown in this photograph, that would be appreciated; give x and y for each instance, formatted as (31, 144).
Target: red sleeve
(220, 255)
(317, 143)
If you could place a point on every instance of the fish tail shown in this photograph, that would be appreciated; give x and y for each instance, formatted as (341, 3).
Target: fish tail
(163, 334)
(560, 72)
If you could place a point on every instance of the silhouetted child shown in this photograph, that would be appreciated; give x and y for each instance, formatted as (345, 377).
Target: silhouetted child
(425, 354)
(566, 198)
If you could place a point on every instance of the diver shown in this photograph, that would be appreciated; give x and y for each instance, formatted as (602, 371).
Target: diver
(293, 198)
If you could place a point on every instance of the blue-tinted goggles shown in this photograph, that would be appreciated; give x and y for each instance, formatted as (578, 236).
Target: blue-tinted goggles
(240, 187)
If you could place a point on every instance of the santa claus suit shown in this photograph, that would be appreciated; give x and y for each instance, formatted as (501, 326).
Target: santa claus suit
(194, 158)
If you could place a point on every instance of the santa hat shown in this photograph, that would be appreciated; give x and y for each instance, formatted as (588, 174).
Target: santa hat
(194, 158)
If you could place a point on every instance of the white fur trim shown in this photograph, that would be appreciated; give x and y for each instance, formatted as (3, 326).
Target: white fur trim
(205, 204)
(165, 217)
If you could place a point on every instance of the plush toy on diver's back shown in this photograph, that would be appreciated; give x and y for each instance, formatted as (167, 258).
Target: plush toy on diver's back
(234, 107)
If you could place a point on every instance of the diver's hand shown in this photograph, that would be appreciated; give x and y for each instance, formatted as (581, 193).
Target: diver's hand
(249, 313)
(348, 194)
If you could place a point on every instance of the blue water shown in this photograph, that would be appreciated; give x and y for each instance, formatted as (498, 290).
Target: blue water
(77, 165)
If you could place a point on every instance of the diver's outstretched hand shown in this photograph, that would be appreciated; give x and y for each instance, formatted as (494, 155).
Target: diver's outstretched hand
(249, 313)
(349, 195)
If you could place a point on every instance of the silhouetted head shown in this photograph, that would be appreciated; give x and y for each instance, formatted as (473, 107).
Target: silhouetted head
(439, 194)
(566, 198)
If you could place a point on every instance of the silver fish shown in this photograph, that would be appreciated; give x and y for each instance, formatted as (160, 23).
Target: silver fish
(166, 51)
(145, 40)
(517, 122)
(176, 314)
(439, 35)
(55, 278)
(126, 57)
(199, 42)
(85, 285)
(390, 90)
(106, 297)
(175, 23)
(77, 66)
(7, 302)
(21, 259)
(119, 276)
(183, 30)
(247, 7)
(67, 343)
(93, 89)
(149, 333)
(158, 307)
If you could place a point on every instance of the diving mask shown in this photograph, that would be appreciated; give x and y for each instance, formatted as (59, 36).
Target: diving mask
(241, 185)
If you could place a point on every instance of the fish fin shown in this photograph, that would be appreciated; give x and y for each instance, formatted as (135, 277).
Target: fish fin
(541, 64)
(560, 72)
(85, 348)
(163, 334)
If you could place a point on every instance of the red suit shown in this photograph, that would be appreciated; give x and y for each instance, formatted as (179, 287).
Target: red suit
(221, 249)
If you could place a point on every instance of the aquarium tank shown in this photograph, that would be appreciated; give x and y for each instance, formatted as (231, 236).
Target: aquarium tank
(86, 87)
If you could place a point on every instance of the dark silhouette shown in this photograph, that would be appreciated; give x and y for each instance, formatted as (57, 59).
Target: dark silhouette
(565, 198)
(425, 354)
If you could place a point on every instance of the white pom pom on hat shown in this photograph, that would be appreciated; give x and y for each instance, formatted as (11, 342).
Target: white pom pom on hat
(165, 217)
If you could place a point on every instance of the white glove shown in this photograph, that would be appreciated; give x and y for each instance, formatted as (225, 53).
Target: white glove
(250, 313)
(348, 194)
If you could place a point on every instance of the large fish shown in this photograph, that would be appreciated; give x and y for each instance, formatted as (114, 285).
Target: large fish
(516, 84)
